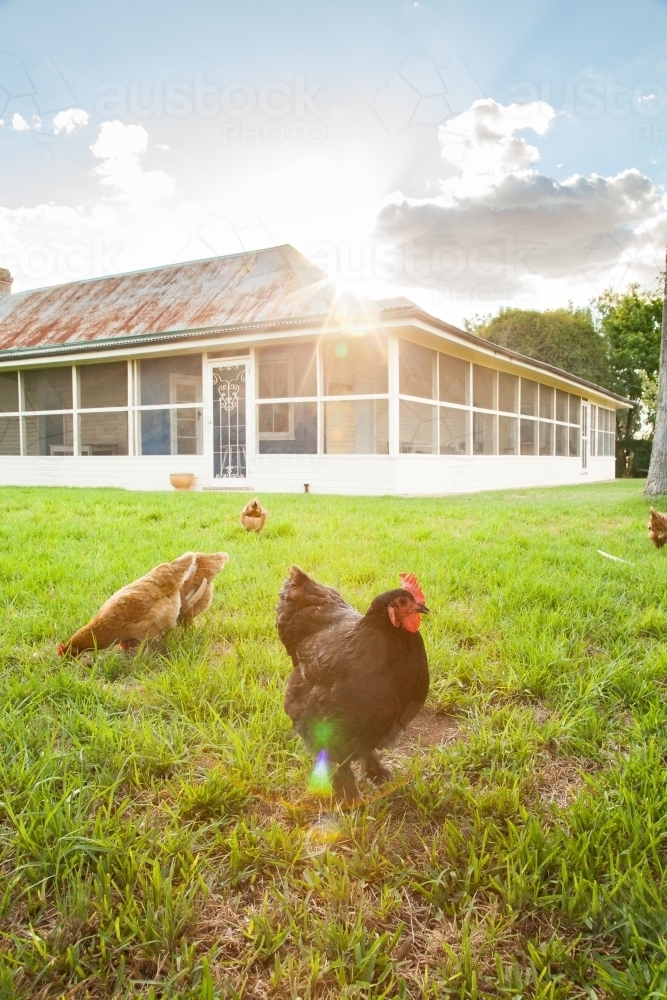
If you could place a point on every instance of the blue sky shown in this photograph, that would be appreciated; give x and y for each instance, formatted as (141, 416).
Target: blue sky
(466, 154)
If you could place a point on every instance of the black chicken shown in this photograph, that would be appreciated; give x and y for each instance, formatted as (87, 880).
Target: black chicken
(357, 679)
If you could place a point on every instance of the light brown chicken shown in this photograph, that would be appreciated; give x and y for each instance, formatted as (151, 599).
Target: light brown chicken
(253, 516)
(141, 610)
(657, 528)
(197, 592)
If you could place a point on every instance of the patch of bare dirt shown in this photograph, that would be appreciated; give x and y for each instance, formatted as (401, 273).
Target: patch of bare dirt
(221, 648)
(469, 641)
(558, 780)
(541, 713)
(430, 728)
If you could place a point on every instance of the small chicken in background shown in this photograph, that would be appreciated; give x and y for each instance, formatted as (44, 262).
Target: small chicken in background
(142, 610)
(253, 516)
(357, 679)
(657, 528)
(197, 592)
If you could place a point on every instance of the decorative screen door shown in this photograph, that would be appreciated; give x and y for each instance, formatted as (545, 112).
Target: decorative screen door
(229, 421)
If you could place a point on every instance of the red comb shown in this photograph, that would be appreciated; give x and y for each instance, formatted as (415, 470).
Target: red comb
(410, 583)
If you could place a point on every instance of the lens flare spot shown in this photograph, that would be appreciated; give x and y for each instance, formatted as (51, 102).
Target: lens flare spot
(341, 350)
(321, 835)
(319, 782)
(322, 734)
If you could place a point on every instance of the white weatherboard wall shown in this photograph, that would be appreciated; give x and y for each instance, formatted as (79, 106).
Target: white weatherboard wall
(434, 474)
(376, 475)
(133, 472)
(373, 475)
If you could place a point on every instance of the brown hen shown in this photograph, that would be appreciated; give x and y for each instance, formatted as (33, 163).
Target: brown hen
(657, 528)
(253, 516)
(197, 592)
(142, 610)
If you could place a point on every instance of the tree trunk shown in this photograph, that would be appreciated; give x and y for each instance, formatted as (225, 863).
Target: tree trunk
(657, 472)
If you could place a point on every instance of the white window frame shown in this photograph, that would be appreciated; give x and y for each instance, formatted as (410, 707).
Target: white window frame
(136, 407)
(287, 435)
(176, 380)
(288, 400)
(320, 399)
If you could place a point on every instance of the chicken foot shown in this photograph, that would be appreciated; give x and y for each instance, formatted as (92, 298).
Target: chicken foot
(374, 769)
(129, 645)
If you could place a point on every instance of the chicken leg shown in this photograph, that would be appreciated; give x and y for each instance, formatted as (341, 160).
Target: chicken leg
(344, 786)
(374, 769)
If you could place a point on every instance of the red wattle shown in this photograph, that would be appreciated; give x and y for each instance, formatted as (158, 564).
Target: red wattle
(412, 622)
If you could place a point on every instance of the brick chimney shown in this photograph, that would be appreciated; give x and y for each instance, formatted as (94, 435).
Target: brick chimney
(5, 281)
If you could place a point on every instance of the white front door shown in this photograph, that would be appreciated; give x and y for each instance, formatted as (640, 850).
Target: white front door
(228, 425)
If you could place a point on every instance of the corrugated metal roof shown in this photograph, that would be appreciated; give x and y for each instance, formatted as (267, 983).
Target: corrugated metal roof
(248, 290)
(259, 286)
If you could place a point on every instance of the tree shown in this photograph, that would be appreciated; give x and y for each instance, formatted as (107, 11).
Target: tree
(657, 472)
(630, 324)
(565, 338)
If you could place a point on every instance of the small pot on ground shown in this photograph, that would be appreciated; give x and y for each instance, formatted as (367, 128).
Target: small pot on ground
(182, 480)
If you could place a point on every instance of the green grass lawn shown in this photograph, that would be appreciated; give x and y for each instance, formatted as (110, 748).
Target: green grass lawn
(157, 838)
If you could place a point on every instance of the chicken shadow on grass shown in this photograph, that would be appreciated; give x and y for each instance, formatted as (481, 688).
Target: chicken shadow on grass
(116, 664)
(431, 729)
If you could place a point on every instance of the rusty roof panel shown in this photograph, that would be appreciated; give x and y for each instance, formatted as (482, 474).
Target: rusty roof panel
(260, 286)
(276, 285)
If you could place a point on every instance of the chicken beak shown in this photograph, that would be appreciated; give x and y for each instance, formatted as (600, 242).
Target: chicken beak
(422, 609)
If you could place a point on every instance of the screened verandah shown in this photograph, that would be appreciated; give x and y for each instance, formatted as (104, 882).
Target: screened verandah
(374, 395)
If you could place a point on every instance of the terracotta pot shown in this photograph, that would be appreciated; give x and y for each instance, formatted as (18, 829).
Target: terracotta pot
(182, 480)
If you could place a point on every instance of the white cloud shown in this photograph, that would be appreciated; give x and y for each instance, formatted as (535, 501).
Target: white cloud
(49, 243)
(19, 124)
(68, 121)
(481, 146)
(65, 121)
(503, 231)
(120, 142)
(119, 147)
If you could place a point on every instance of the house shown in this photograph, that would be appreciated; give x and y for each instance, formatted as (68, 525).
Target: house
(251, 371)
